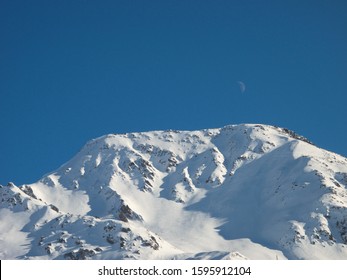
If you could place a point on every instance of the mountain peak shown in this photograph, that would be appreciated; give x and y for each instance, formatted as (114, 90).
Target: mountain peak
(242, 191)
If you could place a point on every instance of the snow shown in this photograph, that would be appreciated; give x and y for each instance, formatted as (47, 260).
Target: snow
(68, 201)
(13, 241)
(239, 192)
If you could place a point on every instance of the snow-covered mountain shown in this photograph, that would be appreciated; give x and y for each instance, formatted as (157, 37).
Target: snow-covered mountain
(239, 192)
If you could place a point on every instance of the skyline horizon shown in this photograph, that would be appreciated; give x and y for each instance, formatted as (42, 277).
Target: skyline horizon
(74, 71)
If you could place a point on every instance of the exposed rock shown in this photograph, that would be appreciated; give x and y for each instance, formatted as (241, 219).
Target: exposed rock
(29, 191)
(81, 254)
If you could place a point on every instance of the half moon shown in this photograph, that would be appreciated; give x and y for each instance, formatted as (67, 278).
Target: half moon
(242, 86)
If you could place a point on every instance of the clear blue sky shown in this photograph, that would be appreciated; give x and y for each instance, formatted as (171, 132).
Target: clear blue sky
(74, 70)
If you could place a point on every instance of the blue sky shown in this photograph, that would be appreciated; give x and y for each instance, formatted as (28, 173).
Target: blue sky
(71, 71)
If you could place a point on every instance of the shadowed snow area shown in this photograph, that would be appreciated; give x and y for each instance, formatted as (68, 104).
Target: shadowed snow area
(239, 192)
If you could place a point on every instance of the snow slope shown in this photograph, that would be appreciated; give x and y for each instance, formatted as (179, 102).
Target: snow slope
(238, 192)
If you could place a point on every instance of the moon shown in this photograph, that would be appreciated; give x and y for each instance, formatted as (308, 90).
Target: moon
(242, 86)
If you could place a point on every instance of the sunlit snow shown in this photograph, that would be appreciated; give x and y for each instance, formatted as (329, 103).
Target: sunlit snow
(239, 192)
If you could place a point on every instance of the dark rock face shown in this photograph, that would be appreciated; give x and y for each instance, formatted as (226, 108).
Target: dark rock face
(81, 254)
(126, 214)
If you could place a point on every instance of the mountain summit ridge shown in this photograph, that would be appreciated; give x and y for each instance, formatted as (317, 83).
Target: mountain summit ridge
(247, 191)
